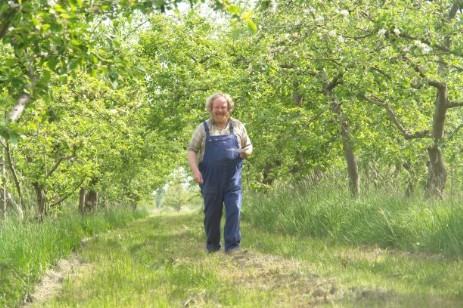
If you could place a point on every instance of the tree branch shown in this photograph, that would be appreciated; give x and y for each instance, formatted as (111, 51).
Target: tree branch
(8, 17)
(25, 97)
(454, 104)
(58, 162)
(67, 195)
(435, 46)
(23, 100)
(14, 173)
(432, 82)
(337, 80)
(395, 120)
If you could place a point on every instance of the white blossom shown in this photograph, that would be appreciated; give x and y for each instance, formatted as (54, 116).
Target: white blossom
(426, 48)
(13, 4)
(396, 31)
(382, 32)
(309, 10)
(344, 12)
(273, 9)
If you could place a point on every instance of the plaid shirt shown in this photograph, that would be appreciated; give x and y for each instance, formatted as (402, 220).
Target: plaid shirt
(198, 140)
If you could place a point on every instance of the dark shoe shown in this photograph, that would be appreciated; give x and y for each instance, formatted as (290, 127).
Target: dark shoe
(233, 252)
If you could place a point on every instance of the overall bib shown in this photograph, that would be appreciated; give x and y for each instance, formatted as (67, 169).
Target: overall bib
(221, 171)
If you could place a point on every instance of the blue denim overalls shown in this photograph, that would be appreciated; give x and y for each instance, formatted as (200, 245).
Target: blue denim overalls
(221, 171)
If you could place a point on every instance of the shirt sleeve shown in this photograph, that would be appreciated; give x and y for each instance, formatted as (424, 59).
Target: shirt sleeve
(246, 143)
(197, 139)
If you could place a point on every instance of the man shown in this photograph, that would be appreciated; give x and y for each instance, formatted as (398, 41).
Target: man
(215, 154)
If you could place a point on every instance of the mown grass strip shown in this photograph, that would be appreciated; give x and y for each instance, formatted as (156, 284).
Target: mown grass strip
(160, 261)
(27, 249)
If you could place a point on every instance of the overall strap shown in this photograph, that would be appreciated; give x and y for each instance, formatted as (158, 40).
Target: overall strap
(231, 127)
(206, 128)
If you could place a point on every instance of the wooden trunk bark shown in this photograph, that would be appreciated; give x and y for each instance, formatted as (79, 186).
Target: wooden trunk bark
(347, 143)
(352, 168)
(349, 155)
(437, 173)
(41, 201)
(88, 200)
(3, 208)
(437, 176)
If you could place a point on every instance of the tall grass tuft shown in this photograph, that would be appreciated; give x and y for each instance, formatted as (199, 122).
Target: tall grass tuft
(377, 218)
(27, 249)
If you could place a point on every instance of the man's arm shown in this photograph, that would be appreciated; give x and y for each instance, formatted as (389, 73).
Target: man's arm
(246, 144)
(197, 176)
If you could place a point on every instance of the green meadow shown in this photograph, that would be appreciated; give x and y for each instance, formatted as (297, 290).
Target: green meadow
(300, 247)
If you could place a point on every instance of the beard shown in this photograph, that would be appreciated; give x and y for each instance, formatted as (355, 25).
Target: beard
(220, 118)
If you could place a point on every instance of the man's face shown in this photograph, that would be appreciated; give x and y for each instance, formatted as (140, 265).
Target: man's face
(220, 113)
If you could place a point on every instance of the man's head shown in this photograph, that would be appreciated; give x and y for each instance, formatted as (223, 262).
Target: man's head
(219, 106)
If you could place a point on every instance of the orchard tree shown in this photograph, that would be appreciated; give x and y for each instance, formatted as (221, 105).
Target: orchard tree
(415, 69)
(48, 43)
(311, 62)
(402, 56)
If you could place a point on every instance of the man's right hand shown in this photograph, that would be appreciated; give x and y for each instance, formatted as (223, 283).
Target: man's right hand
(198, 177)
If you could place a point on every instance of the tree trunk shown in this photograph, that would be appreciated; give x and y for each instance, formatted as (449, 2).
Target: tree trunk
(7, 199)
(437, 176)
(88, 200)
(349, 155)
(4, 197)
(352, 167)
(82, 200)
(14, 175)
(22, 101)
(41, 201)
(410, 190)
(437, 173)
(351, 161)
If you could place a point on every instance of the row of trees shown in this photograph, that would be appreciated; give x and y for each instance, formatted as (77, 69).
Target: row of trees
(73, 94)
(387, 73)
(372, 86)
(103, 97)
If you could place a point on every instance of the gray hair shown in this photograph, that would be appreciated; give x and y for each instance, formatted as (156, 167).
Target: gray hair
(225, 96)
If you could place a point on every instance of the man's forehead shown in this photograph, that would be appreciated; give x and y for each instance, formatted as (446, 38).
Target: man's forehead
(219, 101)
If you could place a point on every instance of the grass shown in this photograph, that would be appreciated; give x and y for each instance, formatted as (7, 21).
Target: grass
(388, 221)
(27, 249)
(160, 262)
(155, 262)
(306, 246)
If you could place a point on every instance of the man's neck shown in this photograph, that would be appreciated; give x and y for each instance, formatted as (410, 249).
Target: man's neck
(221, 125)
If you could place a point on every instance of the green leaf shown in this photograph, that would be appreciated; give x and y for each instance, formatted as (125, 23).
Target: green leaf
(233, 9)
(251, 25)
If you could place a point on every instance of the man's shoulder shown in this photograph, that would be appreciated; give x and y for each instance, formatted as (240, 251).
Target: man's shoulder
(236, 122)
(201, 125)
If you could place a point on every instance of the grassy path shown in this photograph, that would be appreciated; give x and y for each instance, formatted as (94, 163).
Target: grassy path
(160, 262)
